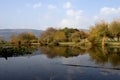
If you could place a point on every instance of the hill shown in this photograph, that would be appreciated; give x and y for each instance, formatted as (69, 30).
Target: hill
(6, 33)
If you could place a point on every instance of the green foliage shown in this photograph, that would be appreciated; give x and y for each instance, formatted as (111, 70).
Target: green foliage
(78, 36)
(100, 32)
(75, 37)
(68, 32)
(51, 36)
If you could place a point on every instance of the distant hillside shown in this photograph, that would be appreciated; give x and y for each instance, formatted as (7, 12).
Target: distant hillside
(7, 32)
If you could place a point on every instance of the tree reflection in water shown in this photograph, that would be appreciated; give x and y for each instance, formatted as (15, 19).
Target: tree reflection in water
(106, 55)
(14, 51)
(66, 52)
(97, 54)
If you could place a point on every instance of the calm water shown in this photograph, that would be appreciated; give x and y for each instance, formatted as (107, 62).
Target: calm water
(59, 63)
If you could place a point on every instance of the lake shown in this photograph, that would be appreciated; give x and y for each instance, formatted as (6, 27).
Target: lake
(59, 63)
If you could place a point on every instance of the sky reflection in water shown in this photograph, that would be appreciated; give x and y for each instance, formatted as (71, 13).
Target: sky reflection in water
(60, 63)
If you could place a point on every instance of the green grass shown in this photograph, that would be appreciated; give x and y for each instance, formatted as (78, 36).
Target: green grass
(67, 43)
(114, 43)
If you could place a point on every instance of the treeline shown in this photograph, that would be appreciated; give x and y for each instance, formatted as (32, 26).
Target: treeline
(53, 36)
(25, 38)
(105, 32)
(102, 32)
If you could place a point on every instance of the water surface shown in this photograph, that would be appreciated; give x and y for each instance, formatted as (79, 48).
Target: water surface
(59, 63)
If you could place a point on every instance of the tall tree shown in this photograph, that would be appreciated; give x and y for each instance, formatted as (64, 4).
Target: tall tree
(78, 35)
(24, 37)
(47, 36)
(114, 29)
(68, 32)
(13, 38)
(99, 31)
(60, 36)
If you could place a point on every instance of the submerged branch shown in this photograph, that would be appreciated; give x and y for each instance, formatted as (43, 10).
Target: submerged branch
(74, 65)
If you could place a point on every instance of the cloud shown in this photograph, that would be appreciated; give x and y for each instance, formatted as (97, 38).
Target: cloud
(71, 12)
(37, 5)
(51, 7)
(107, 14)
(74, 18)
(67, 5)
(64, 22)
(109, 11)
(96, 17)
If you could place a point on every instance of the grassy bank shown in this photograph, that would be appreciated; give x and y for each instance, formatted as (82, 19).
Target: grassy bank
(113, 43)
(67, 43)
(82, 44)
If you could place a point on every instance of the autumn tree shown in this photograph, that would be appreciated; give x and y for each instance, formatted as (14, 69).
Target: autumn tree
(25, 37)
(75, 37)
(60, 36)
(68, 32)
(13, 39)
(47, 36)
(114, 28)
(78, 36)
(98, 32)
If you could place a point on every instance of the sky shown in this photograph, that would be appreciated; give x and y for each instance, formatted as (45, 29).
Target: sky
(41, 14)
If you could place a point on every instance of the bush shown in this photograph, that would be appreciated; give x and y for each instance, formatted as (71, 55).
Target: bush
(54, 43)
(84, 43)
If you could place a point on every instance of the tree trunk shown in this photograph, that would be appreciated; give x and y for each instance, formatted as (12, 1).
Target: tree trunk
(104, 50)
(103, 41)
(117, 38)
